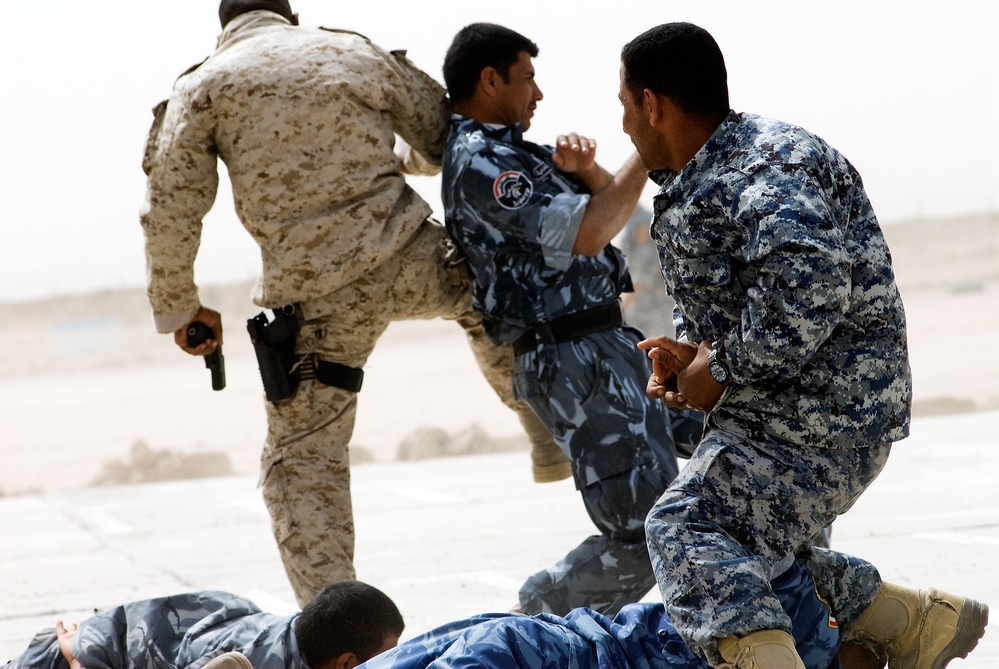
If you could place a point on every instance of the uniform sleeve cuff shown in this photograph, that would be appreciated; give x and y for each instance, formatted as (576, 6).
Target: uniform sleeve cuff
(560, 226)
(169, 323)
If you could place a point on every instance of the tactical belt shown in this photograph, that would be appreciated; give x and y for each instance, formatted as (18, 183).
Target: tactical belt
(569, 327)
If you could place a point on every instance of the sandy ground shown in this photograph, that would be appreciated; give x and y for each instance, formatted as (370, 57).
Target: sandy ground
(84, 380)
(88, 392)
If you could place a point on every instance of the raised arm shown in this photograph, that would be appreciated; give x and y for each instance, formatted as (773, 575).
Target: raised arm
(614, 197)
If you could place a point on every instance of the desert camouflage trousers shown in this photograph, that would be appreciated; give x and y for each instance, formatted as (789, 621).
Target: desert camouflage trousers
(736, 516)
(305, 466)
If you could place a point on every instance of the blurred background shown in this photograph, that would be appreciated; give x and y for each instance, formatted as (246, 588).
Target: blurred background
(907, 90)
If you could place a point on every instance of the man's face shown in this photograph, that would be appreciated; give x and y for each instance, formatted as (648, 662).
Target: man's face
(519, 95)
(635, 123)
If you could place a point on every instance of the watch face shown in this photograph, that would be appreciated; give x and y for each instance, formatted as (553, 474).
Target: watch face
(718, 371)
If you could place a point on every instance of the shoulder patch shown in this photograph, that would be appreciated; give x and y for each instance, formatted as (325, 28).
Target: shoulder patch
(512, 189)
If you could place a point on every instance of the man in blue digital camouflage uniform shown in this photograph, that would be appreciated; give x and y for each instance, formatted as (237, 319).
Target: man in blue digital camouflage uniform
(792, 336)
(345, 624)
(640, 636)
(535, 224)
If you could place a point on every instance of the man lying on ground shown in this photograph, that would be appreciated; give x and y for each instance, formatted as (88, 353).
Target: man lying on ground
(347, 623)
(640, 636)
(350, 622)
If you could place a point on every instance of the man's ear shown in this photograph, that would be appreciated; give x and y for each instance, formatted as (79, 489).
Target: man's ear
(489, 80)
(652, 105)
(345, 661)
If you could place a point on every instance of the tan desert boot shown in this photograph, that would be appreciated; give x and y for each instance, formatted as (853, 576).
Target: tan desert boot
(231, 660)
(920, 629)
(765, 649)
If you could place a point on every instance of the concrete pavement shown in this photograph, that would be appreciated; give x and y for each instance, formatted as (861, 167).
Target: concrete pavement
(454, 536)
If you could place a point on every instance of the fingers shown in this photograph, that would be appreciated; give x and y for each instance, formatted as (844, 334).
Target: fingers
(654, 342)
(665, 358)
(63, 629)
(668, 350)
(204, 348)
(655, 390)
(574, 152)
(208, 317)
(676, 401)
(575, 142)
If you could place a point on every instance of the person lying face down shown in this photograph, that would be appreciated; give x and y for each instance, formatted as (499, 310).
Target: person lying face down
(352, 625)
(640, 636)
(347, 623)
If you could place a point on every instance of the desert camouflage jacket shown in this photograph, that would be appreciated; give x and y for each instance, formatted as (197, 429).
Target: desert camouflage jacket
(768, 242)
(183, 631)
(515, 216)
(305, 121)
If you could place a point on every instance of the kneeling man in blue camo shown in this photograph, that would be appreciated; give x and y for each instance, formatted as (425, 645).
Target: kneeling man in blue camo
(535, 223)
(791, 335)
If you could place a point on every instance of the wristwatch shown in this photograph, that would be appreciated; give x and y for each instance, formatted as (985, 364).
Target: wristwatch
(717, 368)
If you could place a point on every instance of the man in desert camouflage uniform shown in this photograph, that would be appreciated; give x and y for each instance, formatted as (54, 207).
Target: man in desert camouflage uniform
(305, 120)
(792, 336)
(536, 224)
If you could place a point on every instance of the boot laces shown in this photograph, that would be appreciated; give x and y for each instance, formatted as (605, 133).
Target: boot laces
(739, 661)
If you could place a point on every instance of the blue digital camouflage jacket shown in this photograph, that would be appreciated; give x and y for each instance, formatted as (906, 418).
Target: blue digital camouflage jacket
(515, 217)
(640, 636)
(768, 242)
(180, 631)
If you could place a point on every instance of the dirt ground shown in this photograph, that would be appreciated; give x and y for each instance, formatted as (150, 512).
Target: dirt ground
(90, 394)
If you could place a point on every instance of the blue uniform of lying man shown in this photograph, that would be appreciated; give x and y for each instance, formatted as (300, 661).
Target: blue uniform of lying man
(347, 623)
(535, 223)
(350, 622)
(640, 636)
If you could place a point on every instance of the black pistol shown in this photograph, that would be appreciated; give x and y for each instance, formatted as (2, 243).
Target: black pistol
(198, 333)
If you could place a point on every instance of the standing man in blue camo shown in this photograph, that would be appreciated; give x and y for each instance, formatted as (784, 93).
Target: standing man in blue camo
(792, 337)
(535, 224)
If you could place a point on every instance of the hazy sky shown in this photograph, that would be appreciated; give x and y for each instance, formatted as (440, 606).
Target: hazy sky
(906, 89)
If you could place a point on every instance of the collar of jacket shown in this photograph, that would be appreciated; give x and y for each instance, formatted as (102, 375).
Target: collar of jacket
(511, 134)
(244, 23)
(715, 146)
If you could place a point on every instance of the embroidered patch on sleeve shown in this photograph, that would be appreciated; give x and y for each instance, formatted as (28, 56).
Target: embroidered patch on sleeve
(512, 190)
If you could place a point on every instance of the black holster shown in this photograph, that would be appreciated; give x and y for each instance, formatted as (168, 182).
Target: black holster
(274, 343)
(281, 369)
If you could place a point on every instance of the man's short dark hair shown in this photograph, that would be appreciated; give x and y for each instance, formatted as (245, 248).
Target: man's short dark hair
(681, 61)
(346, 617)
(476, 47)
(230, 9)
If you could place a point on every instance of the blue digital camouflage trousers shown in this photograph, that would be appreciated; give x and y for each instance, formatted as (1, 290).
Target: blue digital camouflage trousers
(591, 394)
(740, 510)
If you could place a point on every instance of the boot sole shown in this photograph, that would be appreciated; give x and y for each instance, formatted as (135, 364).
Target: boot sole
(970, 628)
